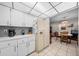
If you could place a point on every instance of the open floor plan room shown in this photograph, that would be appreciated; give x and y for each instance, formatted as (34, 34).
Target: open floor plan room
(39, 28)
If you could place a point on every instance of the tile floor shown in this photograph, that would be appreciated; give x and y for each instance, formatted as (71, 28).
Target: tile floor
(59, 49)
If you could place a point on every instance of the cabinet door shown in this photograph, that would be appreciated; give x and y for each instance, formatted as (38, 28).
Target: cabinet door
(22, 47)
(31, 44)
(22, 50)
(16, 18)
(4, 15)
(8, 48)
(9, 51)
(28, 20)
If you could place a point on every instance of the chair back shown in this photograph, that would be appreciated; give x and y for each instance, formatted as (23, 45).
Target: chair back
(55, 34)
(63, 35)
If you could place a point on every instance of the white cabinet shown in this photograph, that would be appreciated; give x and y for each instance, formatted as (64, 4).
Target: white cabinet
(4, 15)
(22, 48)
(26, 46)
(21, 19)
(17, 47)
(31, 45)
(16, 18)
(28, 20)
(8, 51)
(8, 48)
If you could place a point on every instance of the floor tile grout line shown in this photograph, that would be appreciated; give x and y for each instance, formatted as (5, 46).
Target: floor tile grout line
(58, 48)
(57, 51)
(67, 50)
(76, 50)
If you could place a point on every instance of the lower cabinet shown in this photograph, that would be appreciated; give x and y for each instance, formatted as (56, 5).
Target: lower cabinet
(18, 47)
(31, 46)
(26, 46)
(22, 50)
(8, 51)
(8, 48)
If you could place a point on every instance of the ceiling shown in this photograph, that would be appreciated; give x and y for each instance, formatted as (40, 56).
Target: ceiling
(67, 15)
(48, 9)
(42, 9)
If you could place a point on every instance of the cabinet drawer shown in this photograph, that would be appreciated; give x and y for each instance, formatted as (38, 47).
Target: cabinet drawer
(3, 44)
(32, 38)
(12, 43)
(8, 43)
(23, 40)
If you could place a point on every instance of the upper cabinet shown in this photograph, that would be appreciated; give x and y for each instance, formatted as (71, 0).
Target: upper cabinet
(21, 19)
(12, 17)
(4, 15)
(16, 18)
(28, 20)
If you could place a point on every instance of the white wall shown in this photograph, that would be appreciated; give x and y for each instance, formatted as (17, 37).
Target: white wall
(55, 25)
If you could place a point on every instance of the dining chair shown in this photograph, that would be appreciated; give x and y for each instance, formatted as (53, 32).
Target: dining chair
(64, 36)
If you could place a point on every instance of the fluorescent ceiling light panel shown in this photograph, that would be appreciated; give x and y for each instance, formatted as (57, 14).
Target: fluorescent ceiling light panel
(21, 7)
(43, 6)
(55, 3)
(9, 4)
(30, 4)
(35, 13)
(65, 5)
(50, 13)
(43, 16)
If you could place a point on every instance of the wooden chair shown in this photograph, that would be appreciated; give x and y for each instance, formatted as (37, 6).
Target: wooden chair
(64, 36)
(56, 35)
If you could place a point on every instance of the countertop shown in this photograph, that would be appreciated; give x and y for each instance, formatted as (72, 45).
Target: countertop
(15, 37)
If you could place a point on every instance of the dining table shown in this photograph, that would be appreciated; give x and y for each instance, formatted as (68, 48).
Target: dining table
(66, 35)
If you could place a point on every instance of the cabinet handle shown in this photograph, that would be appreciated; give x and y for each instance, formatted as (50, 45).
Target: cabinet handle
(15, 49)
(8, 44)
(0, 51)
(29, 43)
(22, 41)
(26, 44)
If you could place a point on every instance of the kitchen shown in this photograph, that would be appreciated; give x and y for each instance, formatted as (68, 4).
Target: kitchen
(25, 28)
(17, 35)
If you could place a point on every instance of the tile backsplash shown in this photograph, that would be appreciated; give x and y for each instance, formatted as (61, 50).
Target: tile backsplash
(18, 30)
